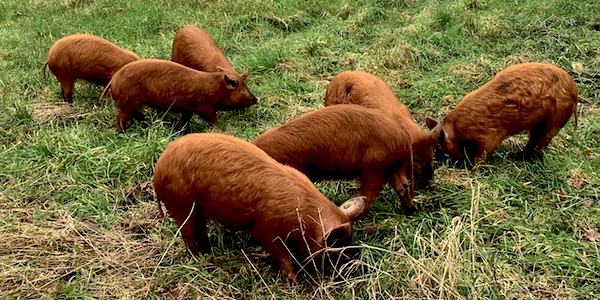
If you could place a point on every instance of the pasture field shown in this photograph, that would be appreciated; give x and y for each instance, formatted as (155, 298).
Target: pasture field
(78, 218)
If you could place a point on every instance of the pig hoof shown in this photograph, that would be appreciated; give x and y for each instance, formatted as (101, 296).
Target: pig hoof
(409, 210)
(535, 156)
(528, 156)
(292, 279)
(430, 185)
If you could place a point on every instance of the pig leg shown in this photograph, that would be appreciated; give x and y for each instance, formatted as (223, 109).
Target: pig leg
(536, 134)
(485, 149)
(123, 115)
(287, 269)
(286, 264)
(138, 115)
(209, 114)
(400, 185)
(66, 86)
(186, 116)
(194, 232)
(277, 249)
(371, 183)
(547, 137)
(202, 234)
(480, 157)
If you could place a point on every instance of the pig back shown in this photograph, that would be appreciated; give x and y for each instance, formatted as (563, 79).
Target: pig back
(341, 137)
(365, 89)
(168, 85)
(368, 90)
(235, 183)
(88, 57)
(158, 82)
(194, 47)
(517, 98)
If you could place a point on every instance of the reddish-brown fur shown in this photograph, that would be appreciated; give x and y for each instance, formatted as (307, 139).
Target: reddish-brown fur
(168, 85)
(368, 90)
(85, 57)
(537, 97)
(209, 176)
(193, 47)
(343, 142)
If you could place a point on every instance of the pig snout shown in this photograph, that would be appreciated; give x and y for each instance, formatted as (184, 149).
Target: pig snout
(244, 98)
(251, 100)
(248, 101)
(424, 181)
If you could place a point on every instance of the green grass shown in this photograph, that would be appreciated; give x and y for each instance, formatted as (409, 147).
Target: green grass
(77, 219)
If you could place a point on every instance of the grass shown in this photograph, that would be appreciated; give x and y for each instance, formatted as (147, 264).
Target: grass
(79, 220)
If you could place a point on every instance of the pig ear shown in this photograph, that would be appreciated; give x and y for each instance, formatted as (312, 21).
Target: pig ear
(230, 81)
(221, 69)
(353, 207)
(431, 122)
(245, 74)
(339, 233)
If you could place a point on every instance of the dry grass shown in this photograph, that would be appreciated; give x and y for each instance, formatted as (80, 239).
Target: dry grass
(43, 111)
(133, 261)
(450, 264)
(477, 73)
(77, 221)
(41, 258)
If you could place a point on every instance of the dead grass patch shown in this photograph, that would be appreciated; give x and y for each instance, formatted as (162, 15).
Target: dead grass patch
(478, 72)
(41, 260)
(581, 179)
(48, 111)
(400, 56)
(492, 26)
(518, 58)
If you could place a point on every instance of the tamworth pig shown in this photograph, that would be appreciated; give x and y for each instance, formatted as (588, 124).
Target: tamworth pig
(537, 97)
(368, 90)
(343, 142)
(85, 57)
(193, 47)
(209, 176)
(167, 85)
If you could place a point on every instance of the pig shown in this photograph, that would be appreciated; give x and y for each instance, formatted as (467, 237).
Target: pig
(193, 47)
(86, 57)
(211, 176)
(344, 142)
(368, 90)
(170, 86)
(537, 97)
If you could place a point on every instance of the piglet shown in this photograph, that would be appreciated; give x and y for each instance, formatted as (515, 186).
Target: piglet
(343, 142)
(193, 47)
(368, 90)
(210, 176)
(85, 57)
(167, 85)
(537, 97)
